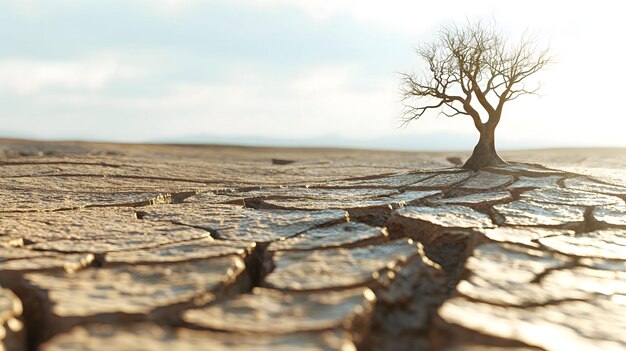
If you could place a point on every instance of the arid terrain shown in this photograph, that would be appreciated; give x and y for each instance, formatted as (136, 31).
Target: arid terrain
(166, 247)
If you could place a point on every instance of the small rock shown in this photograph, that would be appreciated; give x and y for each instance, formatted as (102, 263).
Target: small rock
(277, 161)
(454, 160)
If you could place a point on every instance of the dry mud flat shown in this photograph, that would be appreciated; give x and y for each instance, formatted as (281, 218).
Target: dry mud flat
(118, 247)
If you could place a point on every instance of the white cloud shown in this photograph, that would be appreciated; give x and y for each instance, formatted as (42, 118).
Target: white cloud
(29, 76)
(419, 17)
(321, 100)
(170, 7)
(408, 16)
(39, 8)
(333, 99)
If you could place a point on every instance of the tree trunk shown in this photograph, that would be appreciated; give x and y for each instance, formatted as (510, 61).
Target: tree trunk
(484, 154)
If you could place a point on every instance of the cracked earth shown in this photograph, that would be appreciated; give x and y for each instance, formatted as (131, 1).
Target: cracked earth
(136, 247)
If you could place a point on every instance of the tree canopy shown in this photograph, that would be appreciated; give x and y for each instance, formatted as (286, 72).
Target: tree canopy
(472, 70)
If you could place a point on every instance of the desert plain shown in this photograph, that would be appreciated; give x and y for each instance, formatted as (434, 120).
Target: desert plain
(191, 247)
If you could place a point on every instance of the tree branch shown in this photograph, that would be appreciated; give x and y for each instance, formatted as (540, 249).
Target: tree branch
(470, 62)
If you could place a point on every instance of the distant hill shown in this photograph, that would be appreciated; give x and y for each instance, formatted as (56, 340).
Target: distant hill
(430, 142)
(426, 142)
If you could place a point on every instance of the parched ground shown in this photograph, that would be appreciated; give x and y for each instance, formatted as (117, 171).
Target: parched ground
(144, 247)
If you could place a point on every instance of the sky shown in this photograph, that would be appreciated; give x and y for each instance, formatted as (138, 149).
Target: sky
(291, 72)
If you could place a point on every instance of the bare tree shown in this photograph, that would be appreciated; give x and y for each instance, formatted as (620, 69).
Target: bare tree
(473, 71)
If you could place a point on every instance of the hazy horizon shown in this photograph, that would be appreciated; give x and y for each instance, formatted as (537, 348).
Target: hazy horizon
(319, 73)
(430, 144)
